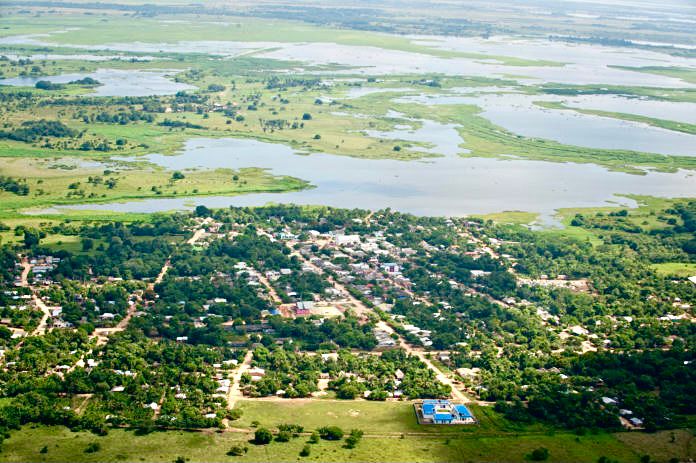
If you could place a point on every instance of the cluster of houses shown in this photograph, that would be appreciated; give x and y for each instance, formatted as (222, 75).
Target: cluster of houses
(384, 339)
(626, 416)
(41, 267)
(19, 302)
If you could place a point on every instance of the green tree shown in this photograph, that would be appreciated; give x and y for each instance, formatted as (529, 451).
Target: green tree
(262, 436)
(540, 454)
(32, 237)
(331, 433)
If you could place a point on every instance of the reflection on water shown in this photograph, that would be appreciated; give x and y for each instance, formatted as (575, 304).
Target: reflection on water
(448, 185)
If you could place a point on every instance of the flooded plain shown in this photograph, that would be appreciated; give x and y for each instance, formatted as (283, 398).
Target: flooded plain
(447, 185)
(555, 61)
(114, 82)
(518, 114)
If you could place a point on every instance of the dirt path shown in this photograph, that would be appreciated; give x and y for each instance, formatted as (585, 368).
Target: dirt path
(43, 324)
(24, 282)
(165, 268)
(80, 408)
(198, 234)
(26, 268)
(271, 290)
(362, 310)
(421, 354)
(368, 217)
(235, 392)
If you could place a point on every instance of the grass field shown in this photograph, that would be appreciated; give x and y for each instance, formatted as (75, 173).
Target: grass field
(512, 217)
(55, 186)
(679, 269)
(391, 434)
(645, 215)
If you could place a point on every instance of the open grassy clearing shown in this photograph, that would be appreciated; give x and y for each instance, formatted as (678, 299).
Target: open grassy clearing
(646, 216)
(678, 269)
(58, 186)
(428, 443)
(512, 217)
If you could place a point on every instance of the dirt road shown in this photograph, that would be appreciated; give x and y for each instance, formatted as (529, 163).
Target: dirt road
(235, 392)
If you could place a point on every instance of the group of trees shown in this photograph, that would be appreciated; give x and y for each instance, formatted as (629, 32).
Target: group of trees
(132, 372)
(13, 185)
(30, 131)
(286, 432)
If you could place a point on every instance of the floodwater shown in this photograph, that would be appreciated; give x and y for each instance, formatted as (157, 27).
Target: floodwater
(441, 139)
(114, 82)
(581, 63)
(518, 114)
(447, 185)
(670, 110)
(78, 57)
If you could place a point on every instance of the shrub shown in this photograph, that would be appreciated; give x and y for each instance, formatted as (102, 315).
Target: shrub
(540, 454)
(283, 436)
(93, 447)
(353, 439)
(331, 433)
(262, 436)
(237, 451)
(291, 428)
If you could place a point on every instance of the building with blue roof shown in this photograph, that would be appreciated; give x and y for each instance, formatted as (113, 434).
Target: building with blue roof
(443, 418)
(463, 411)
(438, 411)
